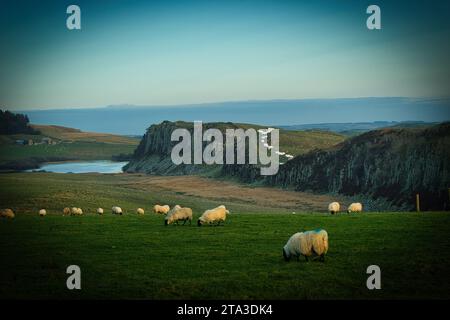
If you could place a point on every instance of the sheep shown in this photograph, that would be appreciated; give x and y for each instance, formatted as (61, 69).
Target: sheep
(178, 214)
(117, 210)
(76, 211)
(140, 211)
(42, 213)
(334, 207)
(354, 207)
(307, 243)
(218, 215)
(161, 209)
(7, 213)
(66, 211)
(100, 211)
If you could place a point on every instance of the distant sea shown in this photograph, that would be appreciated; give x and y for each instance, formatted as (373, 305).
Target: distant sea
(134, 120)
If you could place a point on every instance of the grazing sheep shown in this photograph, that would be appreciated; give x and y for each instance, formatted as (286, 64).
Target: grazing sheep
(218, 215)
(42, 212)
(100, 211)
(334, 207)
(140, 211)
(307, 244)
(178, 214)
(7, 213)
(117, 210)
(66, 211)
(354, 207)
(161, 209)
(76, 211)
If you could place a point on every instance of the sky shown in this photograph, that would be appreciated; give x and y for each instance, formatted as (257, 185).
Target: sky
(181, 52)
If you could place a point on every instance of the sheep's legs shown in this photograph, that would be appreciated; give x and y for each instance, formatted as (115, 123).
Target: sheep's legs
(306, 258)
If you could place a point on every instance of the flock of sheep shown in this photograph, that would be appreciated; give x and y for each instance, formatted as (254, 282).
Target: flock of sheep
(308, 244)
(214, 216)
(335, 207)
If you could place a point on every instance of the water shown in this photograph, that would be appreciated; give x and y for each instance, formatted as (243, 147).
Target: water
(100, 166)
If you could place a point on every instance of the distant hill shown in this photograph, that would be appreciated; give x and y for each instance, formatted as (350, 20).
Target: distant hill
(153, 153)
(134, 120)
(70, 134)
(354, 128)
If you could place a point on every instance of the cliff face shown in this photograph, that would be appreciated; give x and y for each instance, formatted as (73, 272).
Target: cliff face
(394, 164)
(388, 164)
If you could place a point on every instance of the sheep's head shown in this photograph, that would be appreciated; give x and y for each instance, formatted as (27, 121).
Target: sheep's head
(168, 220)
(199, 222)
(285, 255)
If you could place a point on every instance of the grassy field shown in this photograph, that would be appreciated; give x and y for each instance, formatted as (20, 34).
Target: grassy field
(72, 151)
(134, 256)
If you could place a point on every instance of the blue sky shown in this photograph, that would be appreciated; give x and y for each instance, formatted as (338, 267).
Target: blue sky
(179, 52)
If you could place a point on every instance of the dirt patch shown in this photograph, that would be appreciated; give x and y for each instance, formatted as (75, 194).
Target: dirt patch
(195, 186)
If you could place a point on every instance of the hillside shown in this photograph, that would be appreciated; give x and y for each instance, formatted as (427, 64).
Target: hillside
(70, 134)
(390, 164)
(355, 128)
(55, 143)
(153, 153)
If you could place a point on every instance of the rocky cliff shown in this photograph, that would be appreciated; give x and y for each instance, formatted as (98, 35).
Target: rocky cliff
(393, 164)
(389, 164)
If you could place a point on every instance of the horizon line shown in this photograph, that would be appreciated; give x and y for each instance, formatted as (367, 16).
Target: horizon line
(204, 104)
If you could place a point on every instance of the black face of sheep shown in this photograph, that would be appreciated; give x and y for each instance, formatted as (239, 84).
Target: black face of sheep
(199, 223)
(286, 258)
(166, 223)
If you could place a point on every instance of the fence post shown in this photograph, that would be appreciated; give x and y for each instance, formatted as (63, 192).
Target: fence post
(417, 202)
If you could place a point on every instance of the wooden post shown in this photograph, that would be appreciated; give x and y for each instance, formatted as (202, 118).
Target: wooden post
(448, 206)
(417, 202)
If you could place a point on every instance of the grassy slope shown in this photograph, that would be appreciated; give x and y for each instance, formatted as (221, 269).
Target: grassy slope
(70, 134)
(137, 257)
(291, 141)
(69, 151)
(75, 145)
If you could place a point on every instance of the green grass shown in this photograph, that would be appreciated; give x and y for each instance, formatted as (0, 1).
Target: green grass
(134, 256)
(75, 150)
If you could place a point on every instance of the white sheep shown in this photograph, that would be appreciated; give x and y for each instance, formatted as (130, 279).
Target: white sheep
(7, 213)
(117, 210)
(307, 243)
(218, 215)
(334, 207)
(178, 214)
(76, 211)
(100, 211)
(66, 211)
(140, 211)
(354, 207)
(161, 209)
(42, 212)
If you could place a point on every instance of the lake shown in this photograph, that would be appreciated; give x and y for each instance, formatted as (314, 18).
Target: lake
(100, 166)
